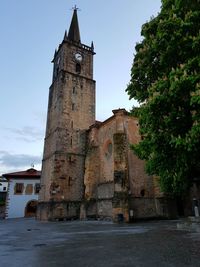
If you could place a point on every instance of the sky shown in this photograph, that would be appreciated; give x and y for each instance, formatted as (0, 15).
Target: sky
(30, 32)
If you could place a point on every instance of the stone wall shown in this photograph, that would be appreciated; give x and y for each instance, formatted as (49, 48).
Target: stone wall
(121, 182)
(105, 208)
(141, 184)
(146, 207)
(105, 190)
(52, 210)
(71, 111)
(114, 175)
(92, 165)
(143, 207)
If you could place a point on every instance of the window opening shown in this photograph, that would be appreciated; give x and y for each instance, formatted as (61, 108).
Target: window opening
(19, 188)
(70, 181)
(37, 188)
(71, 141)
(29, 189)
(142, 193)
(78, 68)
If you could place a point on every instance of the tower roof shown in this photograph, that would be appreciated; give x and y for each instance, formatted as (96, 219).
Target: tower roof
(74, 33)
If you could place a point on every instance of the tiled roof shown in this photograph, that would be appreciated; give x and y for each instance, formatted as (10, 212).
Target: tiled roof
(30, 173)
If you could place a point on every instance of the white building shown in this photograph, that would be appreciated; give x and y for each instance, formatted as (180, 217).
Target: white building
(3, 185)
(22, 195)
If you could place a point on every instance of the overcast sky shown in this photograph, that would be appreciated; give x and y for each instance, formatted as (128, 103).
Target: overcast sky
(30, 32)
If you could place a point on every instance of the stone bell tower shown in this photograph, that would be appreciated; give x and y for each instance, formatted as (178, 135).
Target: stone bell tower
(71, 111)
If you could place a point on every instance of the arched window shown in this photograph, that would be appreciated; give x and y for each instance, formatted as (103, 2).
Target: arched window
(78, 68)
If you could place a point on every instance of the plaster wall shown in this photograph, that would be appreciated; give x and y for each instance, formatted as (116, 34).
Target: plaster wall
(16, 203)
(3, 185)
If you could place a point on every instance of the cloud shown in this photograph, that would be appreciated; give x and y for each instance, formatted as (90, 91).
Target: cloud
(9, 160)
(27, 134)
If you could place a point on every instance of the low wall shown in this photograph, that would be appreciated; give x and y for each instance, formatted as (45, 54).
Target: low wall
(51, 211)
(144, 208)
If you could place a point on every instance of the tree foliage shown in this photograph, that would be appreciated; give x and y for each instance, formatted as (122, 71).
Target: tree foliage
(165, 79)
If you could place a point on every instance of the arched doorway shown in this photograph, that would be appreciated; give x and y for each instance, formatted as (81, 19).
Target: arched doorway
(31, 208)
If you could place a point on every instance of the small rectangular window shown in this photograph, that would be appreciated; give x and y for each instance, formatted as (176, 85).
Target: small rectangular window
(73, 106)
(78, 68)
(71, 141)
(37, 188)
(29, 189)
(4, 188)
(70, 181)
(19, 187)
(74, 90)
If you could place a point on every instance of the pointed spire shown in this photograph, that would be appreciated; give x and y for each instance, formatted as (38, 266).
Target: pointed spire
(74, 34)
(65, 36)
(54, 55)
(55, 52)
(92, 46)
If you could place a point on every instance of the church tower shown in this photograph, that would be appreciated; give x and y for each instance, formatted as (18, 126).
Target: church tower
(71, 111)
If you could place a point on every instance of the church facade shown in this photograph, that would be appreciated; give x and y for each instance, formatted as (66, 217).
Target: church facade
(88, 168)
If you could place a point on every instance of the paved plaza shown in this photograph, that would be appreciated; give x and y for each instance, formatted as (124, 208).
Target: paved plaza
(26, 242)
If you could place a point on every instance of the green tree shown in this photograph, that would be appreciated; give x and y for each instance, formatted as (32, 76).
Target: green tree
(165, 79)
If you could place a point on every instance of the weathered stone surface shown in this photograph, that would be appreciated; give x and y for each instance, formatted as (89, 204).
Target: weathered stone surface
(113, 172)
(88, 168)
(105, 190)
(71, 111)
(53, 210)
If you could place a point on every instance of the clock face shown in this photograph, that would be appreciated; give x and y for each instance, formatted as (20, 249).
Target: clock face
(78, 57)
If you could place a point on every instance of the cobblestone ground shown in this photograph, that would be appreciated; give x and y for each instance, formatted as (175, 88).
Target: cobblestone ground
(26, 242)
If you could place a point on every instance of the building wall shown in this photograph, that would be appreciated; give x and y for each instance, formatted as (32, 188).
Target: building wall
(16, 203)
(99, 159)
(3, 186)
(141, 184)
(114, 176)
(115, 182)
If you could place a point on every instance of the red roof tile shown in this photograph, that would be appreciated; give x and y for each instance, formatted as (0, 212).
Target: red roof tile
(30, 173)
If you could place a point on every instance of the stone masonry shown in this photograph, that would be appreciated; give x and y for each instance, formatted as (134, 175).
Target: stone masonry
(88, 168)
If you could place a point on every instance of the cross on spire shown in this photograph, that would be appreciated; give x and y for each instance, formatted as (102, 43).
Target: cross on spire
(74, 34)
(75, 8)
